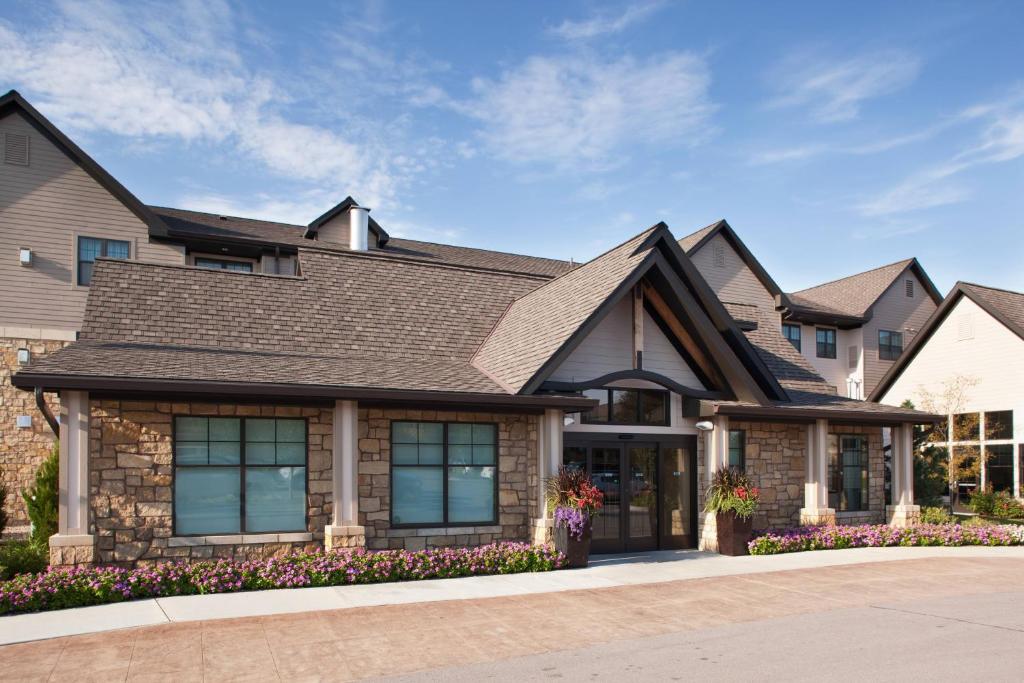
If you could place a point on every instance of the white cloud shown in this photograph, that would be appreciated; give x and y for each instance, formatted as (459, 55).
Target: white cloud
(604, 24)
(835, 90)
(1000, 140)
(149, 71)
(578, 113)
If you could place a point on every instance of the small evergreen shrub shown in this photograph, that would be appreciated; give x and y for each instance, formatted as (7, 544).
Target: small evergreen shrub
(41, 500)
(936, 515)
(22, 557)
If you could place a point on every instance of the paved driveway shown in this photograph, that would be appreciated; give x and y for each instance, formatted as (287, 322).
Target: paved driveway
(809, 623)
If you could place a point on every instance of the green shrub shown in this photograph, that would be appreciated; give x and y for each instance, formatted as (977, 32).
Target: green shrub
(22, 557)
(931, 471)
(936, 515)
(1005, 506)
(983, 502)
(41, 500)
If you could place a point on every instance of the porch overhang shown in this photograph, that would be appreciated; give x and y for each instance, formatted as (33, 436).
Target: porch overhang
(209, 390)
(812, 414)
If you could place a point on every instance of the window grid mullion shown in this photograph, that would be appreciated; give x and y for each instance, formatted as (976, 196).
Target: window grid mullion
(241, 472)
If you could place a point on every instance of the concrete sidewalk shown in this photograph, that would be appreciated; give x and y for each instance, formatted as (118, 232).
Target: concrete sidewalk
(604, 572)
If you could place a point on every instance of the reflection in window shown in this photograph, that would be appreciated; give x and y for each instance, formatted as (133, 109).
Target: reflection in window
(847, 473)
(999, 425)
(628, 407)
(966, 427)
(999, 467)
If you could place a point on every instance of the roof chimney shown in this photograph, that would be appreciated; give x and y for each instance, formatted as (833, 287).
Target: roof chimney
(359, 228)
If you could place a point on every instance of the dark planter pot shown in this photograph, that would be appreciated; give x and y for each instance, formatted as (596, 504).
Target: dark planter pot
(733, 533)
(576, 550)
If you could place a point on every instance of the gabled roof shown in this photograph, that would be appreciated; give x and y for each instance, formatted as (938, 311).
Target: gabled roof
(1002, 304)
(13, 101)
(539, 330)
(849, 300)
(342, 206)
(694, 242)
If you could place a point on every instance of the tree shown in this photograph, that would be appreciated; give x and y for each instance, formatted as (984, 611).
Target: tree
(41, 500)
(930, 466)
(963, 463)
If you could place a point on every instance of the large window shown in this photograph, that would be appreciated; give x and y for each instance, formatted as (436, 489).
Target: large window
(792, 333)
(92, 248)
(966, 427)
(999, 425)
(826, 342)
(444, 473)
(847, 472)
(224, 264)
(738, 449)
(890, 344)
(999, 467)
(239, 475)
(628, 407)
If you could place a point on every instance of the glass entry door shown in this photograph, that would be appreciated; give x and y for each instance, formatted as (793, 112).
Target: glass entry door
(648, 493)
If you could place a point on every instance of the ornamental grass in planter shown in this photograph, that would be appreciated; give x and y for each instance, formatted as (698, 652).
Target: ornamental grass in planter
(734, 500)
(574, 500)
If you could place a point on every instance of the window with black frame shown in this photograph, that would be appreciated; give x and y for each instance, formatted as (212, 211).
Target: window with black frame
(890, 344)
(628, 407)
(792, 333)
(738, 449)
(999, 425)
(825, 339)
(224, 264)
(999, 467)
(847, 473)
(444, 473)
(239, 475)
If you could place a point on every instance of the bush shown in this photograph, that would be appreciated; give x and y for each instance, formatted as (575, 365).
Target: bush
(881, 535)
(931, 472)
(1005, 506)
(79, 586)
(41, 500)
(935, 515)
(22, 557)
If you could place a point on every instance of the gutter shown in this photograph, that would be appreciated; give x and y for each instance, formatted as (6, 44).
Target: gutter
(45, 410)
(250, 390)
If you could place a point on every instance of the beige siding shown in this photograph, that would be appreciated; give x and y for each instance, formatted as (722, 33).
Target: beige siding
(336, 231)
(990, 354)
(897, 312)
(730, 278)
(609, 348)
(43, 207)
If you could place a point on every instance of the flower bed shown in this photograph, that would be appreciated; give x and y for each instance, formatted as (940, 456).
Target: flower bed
(881, 535)
(80, 586)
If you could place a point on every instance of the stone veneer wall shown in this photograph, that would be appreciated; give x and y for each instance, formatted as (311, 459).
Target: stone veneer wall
(22, 449)
(130, 476)
(517, 480)
(776, 461)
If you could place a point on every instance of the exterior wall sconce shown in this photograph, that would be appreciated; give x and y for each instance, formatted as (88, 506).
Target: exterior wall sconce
(24, 422)
(24, 356)
(705, 425)
(25, 257)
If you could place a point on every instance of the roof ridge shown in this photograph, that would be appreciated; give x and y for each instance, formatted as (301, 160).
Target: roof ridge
(994, 289)
(905, 261)
(489, 251)
(225, 215)
(398, 258)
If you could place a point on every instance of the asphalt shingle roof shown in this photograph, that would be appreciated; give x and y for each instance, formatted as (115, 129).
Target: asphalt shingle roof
(1009, 304)
(199, 224)
(853, 295)
(694, 238)
(536, 326)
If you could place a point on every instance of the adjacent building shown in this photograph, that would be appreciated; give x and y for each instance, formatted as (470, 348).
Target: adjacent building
(968, 362)
(231, 387)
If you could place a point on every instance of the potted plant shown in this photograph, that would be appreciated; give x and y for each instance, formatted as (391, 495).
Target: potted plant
(734, 500)
(574, 500)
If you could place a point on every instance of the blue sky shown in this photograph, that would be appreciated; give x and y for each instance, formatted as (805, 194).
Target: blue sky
(834, 137)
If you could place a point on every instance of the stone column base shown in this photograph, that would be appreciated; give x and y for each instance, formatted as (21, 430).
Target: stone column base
(902, 515)
(709, 533)
(542, 530)
(817, 516)
(344, 537)
(71, 550)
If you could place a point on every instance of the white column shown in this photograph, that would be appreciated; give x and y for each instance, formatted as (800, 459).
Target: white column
(549, 454)
(903, 512)
(73, 499)
(816, 509)
(716, 447)
(345, 464)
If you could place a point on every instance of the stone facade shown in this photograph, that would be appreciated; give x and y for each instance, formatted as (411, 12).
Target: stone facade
(130, 484)
(776, 463)
(517, 480)
(22, 449)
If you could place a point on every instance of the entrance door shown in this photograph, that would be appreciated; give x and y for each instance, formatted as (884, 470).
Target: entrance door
(648, 493)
